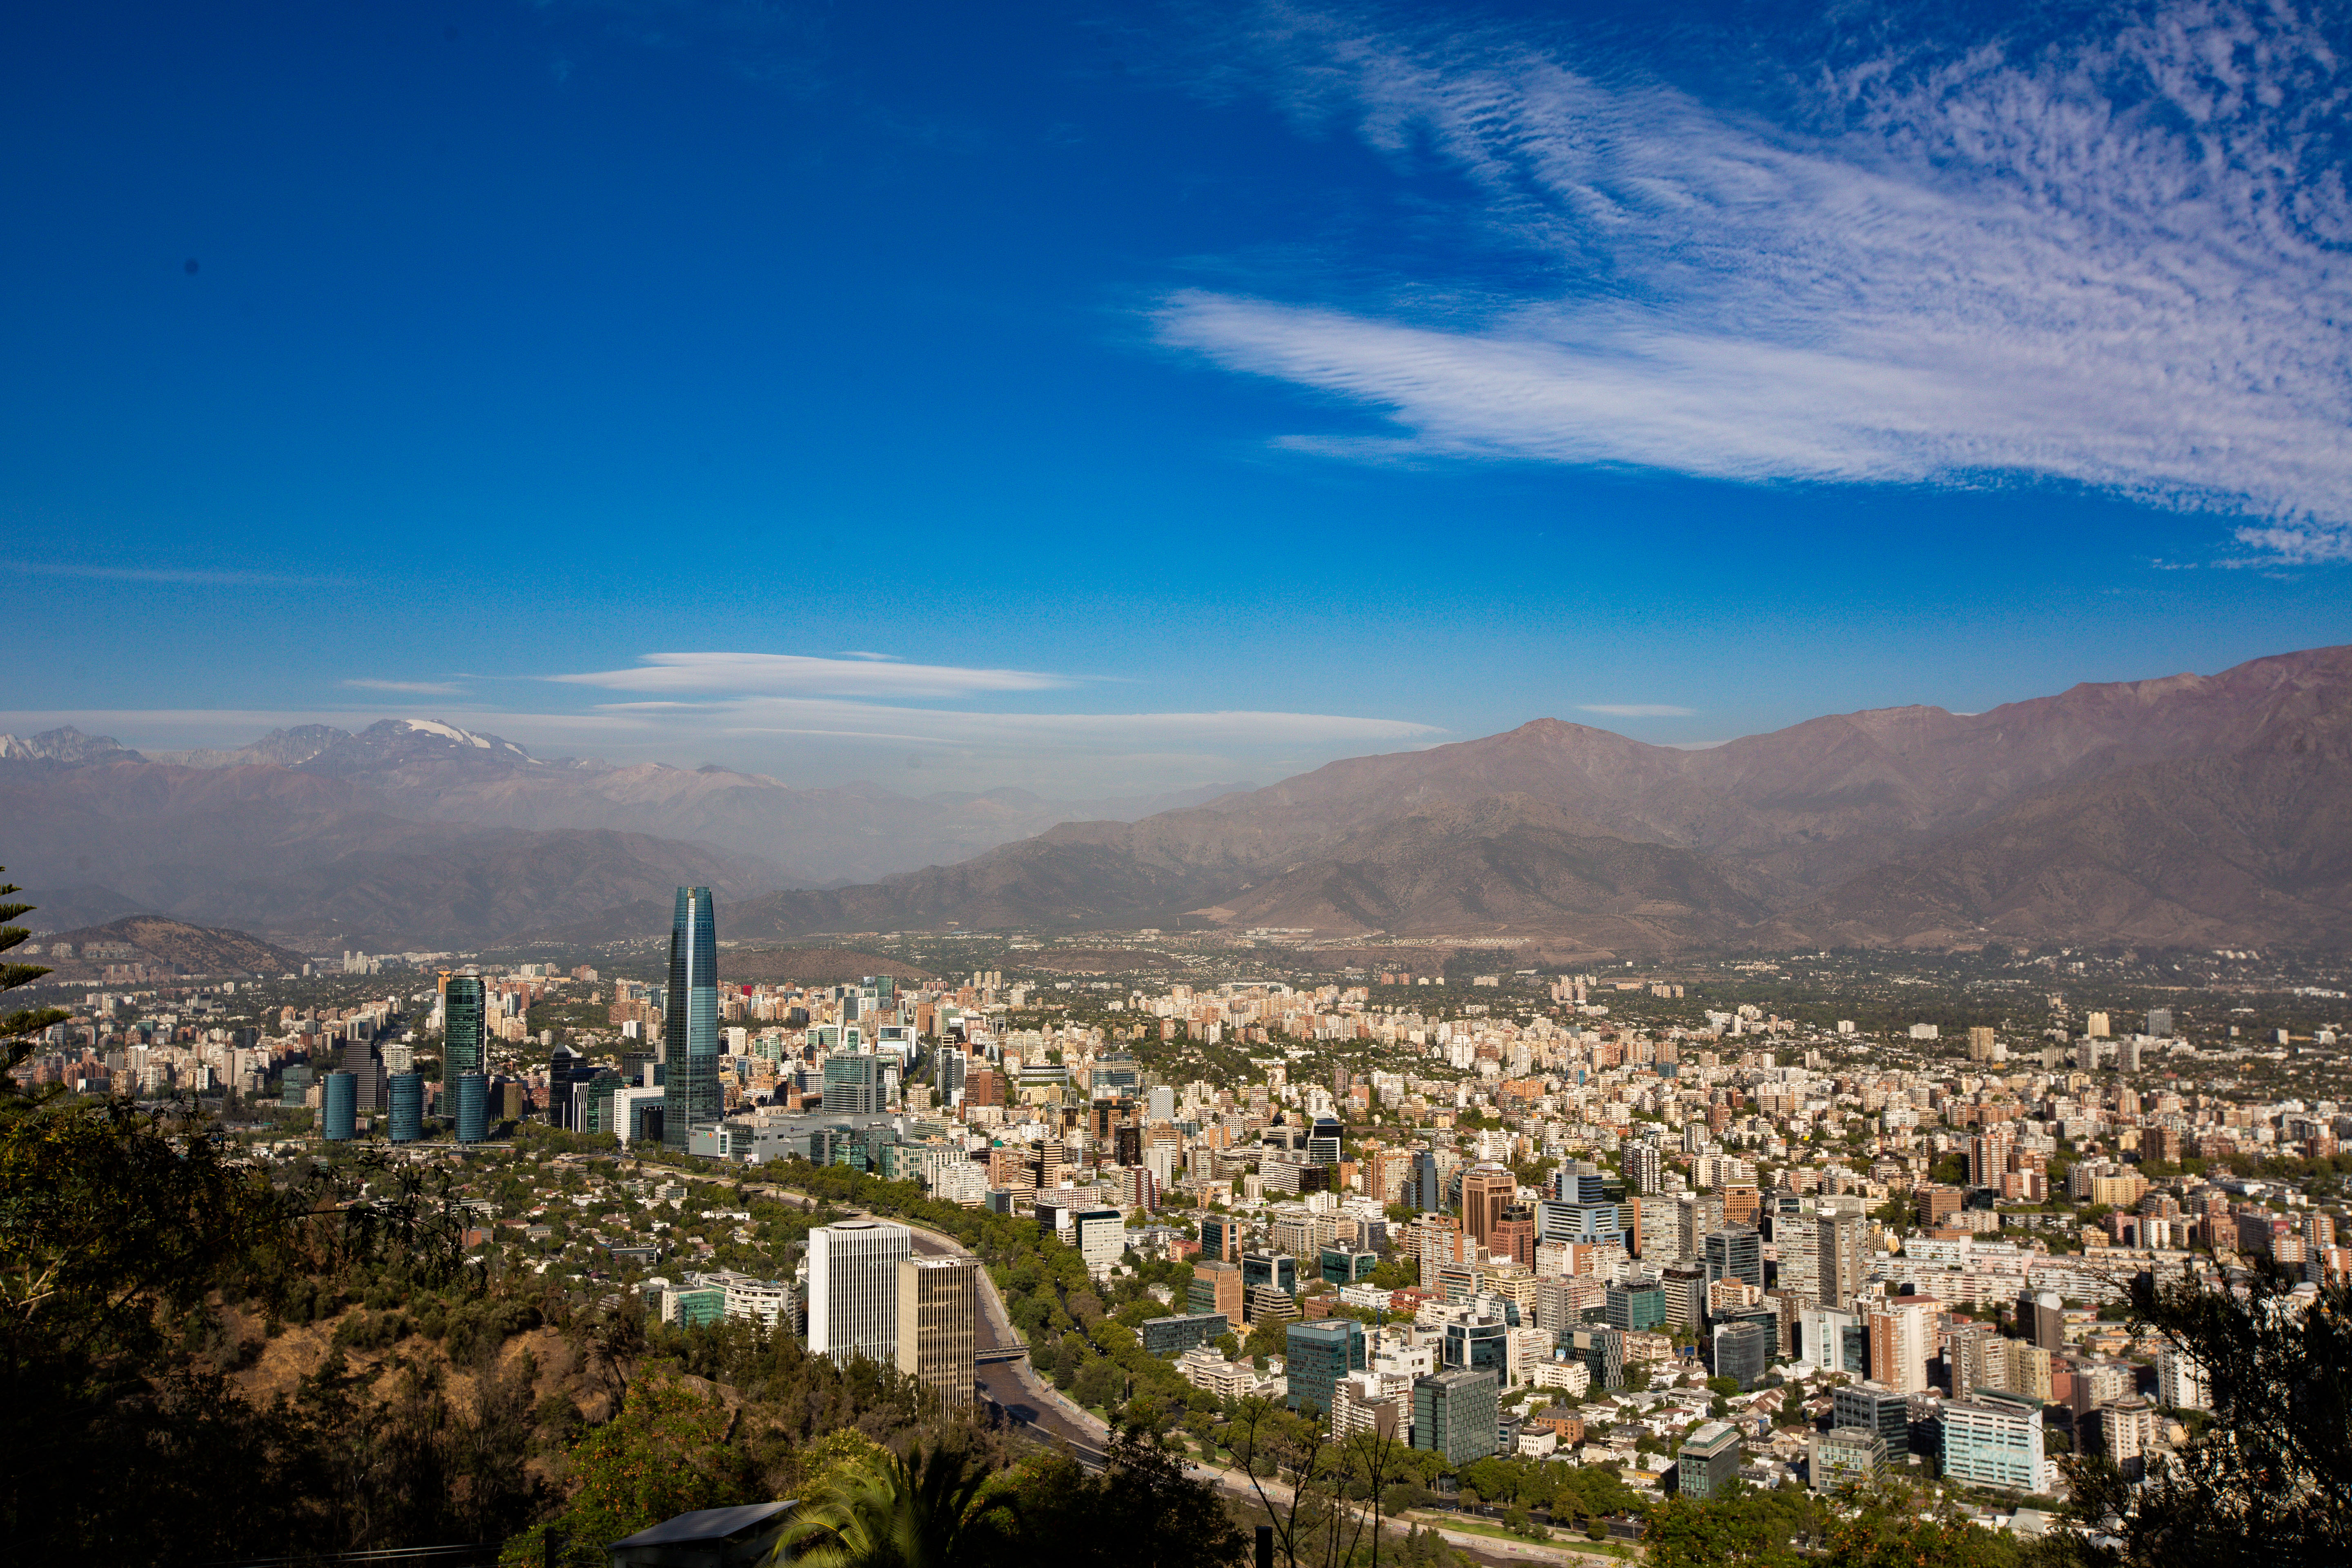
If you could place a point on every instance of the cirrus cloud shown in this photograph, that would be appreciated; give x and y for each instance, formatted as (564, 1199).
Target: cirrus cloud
(856, 674)
(2125, 263)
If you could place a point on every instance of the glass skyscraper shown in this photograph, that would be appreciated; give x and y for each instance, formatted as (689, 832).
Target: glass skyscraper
(407, 1090)
(691, 1097)
(340, 1107)
(470, 1101)
(464, 1025)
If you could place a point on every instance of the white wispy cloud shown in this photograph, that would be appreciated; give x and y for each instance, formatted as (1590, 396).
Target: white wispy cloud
(2127, 266)
(426, 687)
(191, 576)
(1636, 710)
(856, 674)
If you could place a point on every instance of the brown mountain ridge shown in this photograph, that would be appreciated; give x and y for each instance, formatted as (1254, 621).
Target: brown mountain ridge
(2186, 809)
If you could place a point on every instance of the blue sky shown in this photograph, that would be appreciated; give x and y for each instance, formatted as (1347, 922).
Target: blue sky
(1115, 400)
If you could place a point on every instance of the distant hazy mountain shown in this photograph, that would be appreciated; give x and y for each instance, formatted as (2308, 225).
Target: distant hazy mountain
(68, 745)
(2185, 809)
(414, 833)
(284, 747)
(812, 837)
(2188, 809)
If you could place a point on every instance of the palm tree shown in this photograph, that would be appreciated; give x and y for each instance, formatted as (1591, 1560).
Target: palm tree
(924, 1511)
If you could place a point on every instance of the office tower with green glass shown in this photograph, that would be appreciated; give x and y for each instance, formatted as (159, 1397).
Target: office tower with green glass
(464, 1027)
(691, 1100)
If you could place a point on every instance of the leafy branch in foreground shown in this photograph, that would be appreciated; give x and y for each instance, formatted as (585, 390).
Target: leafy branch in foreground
(2271, 1479)
(17, 1028)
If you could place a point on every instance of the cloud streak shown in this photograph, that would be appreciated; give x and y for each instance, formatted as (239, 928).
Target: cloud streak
(193, 578)
(857, 675)
(2122, 264)
(818, 717)
(423, 687)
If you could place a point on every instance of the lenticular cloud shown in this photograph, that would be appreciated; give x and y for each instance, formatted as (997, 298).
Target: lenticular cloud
(2123, 265)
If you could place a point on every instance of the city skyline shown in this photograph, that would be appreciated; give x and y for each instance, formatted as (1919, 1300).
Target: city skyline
(1132, 405)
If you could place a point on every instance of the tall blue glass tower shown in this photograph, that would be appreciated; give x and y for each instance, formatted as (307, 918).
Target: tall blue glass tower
(340, 1110)
(406, 1121)
(690, 1098)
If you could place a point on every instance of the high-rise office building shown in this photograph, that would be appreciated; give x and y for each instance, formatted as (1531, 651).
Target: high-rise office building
(1453, 1415)
(339, 1118)
(464, 1047)
(1596, 1223)
(937, 1332)
(1636, 1304)
(1317, 1356)
(853, 1289)
(1485, 1194)
(464, 1027)
(359, 1059)
(1884, 1411)
(1215, 1287)
(1743, 1350)
(1581, 1183)
(405, 1123)
(1736, 1253)
(567, 1072)
(1220, 1238)
(1323, 1141)
(852, 1083)
(690, 1022)
(1603, 1352)
(1275, 1269)
(1707, 1461)
(1427, 1185)
(470, 1096)
(1477, 1342)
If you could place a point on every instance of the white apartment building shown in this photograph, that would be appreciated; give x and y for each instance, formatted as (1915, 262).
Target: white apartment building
(2181, 1383)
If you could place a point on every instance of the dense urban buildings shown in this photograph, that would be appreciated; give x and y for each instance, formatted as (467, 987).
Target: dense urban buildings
(1568, 1218)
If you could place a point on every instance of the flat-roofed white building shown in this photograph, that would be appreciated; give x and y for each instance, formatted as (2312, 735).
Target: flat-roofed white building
(853, 1289)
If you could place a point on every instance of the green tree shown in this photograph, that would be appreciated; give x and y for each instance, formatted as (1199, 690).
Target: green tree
(2270, 1480)
(1746, 1528)
(1891, 1524)
(665, 1454)
(926, 1511)
(17, 1028)
(1141, 1511)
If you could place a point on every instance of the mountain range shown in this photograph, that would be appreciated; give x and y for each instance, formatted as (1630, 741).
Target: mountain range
(2188, 810)
(2185, 810)
(419, 833)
